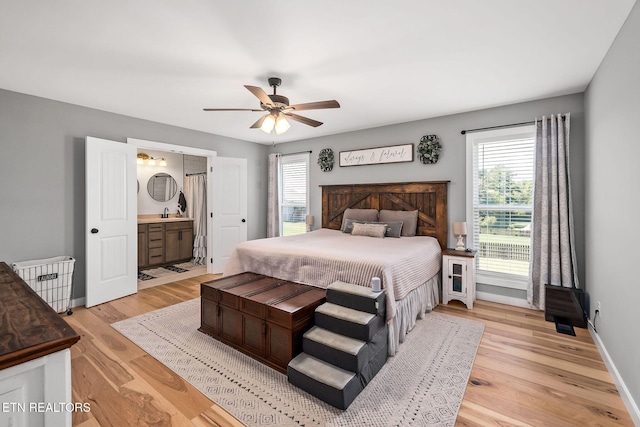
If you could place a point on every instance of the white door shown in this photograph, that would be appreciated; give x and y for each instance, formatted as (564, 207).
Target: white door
(111, 220)
(229, 208)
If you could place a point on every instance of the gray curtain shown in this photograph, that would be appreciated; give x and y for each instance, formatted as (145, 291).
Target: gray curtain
(273, 202)
(195, 193)
(553, 258)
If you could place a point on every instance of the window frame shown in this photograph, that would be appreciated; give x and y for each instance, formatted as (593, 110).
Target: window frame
(506, 280)
(291, 158)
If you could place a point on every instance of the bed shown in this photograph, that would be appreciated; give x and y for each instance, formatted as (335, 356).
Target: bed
(408, 266)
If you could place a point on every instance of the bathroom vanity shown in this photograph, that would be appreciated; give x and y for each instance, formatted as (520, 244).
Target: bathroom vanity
(164, 241)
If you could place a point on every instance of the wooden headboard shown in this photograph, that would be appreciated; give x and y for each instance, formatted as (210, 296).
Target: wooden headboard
(429, 198)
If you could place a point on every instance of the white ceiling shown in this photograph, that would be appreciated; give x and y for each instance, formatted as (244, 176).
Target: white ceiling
(385, 62)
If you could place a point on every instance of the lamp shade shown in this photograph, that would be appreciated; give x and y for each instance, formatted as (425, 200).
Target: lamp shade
(282, 125)
(268, 123)
(459, 228)
(309, 219)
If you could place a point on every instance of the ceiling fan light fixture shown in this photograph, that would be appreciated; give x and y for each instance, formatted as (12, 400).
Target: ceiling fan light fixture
(282, 125)
(268, 123)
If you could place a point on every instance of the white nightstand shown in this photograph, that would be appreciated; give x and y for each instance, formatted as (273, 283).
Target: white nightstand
(459, 276)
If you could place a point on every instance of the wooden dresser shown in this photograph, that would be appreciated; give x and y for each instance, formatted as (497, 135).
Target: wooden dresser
(261, 316)
(35, 360)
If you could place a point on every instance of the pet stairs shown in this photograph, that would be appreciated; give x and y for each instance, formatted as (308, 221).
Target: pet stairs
(346, 348)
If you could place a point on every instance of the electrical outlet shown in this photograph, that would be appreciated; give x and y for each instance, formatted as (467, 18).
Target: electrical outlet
(599, 309)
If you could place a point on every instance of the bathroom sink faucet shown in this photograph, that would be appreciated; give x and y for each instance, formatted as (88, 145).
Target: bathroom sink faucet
(166, 213)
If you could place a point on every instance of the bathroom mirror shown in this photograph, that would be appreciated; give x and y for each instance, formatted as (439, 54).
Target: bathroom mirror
(162, 187)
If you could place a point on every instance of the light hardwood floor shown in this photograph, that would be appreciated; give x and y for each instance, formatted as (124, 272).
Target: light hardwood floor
(525, 374)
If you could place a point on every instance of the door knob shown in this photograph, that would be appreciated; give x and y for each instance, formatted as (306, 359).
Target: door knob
(244, 220)
(94, 231)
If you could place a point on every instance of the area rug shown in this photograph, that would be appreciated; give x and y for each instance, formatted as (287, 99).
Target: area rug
(161, 275)
(422, 385)
(168, 269)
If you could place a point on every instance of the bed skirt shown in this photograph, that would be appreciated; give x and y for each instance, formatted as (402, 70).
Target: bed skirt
(422, 299)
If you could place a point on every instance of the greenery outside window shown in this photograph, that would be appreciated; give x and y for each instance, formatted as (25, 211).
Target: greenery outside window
(294, 193)
(500, 203)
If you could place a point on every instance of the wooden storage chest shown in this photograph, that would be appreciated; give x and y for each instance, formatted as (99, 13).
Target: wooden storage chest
(261, 316)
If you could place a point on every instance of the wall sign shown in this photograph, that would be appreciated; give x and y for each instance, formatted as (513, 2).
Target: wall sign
(377, 156)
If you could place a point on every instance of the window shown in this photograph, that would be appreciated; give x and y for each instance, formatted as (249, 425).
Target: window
(500, 203)
(294, 193)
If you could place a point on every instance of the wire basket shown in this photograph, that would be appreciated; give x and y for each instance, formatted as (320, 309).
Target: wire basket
(51, 279)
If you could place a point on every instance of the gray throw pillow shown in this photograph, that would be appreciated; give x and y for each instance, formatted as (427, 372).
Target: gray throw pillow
(394, 228)
(370, 215)
(409, 220)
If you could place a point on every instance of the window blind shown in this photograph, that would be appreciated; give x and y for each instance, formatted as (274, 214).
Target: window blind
(502, 169)
(294, 189)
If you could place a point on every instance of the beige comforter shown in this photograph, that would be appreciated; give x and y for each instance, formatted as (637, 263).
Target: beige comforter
(323, 256)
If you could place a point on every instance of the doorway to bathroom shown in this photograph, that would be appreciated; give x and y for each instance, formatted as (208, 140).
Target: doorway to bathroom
(172, 211)
(178, 187)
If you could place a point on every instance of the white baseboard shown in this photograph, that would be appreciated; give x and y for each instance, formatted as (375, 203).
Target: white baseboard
(78, 302)
(632, 407)
(518, 302)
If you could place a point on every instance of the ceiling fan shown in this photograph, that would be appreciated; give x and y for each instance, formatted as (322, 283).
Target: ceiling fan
(278, 109)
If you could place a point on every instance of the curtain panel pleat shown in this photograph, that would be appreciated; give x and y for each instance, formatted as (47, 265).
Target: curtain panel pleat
(273, 202)
(553, 258)
(195, 192)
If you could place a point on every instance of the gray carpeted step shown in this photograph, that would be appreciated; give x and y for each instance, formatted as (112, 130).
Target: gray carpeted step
(336, 386)
(357, 297)
(347, 321)
(378, 354)
(344, 352)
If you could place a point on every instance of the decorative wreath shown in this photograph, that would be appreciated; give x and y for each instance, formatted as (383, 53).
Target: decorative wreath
(429, 149)
(325, 159)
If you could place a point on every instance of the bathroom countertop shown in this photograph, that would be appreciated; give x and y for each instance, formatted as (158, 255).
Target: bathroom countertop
(146, 219)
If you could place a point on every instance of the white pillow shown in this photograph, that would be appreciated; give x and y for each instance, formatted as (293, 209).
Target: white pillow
(371, 230)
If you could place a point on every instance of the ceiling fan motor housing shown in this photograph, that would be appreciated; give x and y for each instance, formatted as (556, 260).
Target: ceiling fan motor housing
(278, 100)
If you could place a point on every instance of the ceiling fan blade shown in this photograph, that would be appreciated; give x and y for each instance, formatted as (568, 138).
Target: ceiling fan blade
(230, 109)
(259, 122)
(302, 119)
(260, 94)
(315, 105)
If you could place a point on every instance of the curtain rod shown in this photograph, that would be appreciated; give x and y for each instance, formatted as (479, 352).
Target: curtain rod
(291, 154)
(197, 173)
(502, 126)
(496, 127)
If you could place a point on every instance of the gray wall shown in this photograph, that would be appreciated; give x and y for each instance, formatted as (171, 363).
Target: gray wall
(42, 212)
(612, 106)
(451, 165)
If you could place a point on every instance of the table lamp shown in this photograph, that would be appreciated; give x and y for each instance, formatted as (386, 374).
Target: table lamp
(459, 230)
